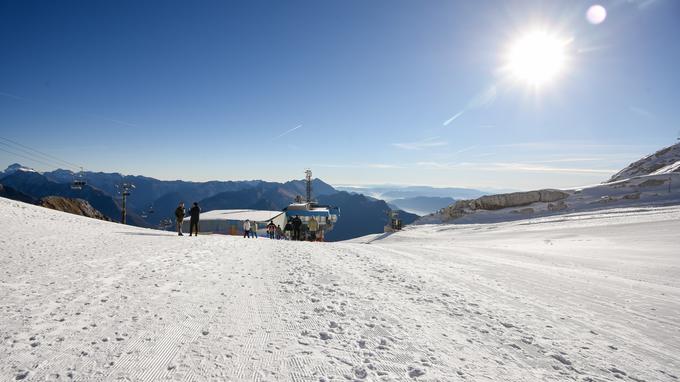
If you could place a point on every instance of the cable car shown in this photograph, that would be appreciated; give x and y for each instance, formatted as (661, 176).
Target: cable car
(78, 181)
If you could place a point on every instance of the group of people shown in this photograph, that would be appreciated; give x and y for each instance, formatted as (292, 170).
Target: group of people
(250, 229)
(274, 231)
(194, 212)
(294, 228)
(291, 231)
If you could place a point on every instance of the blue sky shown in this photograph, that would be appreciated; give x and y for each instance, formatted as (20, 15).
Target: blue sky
(207, 90)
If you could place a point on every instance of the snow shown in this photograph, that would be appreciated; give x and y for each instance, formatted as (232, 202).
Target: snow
(673, 167)
(592, 296)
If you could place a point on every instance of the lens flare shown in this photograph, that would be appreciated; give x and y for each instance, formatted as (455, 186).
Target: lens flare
(596, 14)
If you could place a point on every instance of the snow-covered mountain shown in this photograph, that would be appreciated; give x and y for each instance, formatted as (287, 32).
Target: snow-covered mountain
(663, 161)
(651, 181)
(11, 169)
(582, 297)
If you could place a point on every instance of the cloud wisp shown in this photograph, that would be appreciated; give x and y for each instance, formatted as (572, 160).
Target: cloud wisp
(420, 145)
(641, 112)
(512, 167)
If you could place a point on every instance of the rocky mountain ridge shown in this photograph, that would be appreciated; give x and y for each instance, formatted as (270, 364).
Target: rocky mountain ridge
(653, 180)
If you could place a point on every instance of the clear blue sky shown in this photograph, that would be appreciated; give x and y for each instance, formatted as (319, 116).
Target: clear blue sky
(206, 90)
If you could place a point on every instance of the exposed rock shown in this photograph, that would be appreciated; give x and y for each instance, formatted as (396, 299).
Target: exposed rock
(635, 195)
(518, 199)
(496, 202)
(559, 206)
(652, 183)
(73, 206)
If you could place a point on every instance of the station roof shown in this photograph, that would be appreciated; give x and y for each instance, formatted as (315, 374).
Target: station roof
(241, 215)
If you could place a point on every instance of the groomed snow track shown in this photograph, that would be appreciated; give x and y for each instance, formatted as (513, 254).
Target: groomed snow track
(583, 297)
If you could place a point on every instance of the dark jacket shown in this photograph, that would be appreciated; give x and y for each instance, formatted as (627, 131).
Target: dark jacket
(179, 213)
(195, 212)
(296, 222)
(288, 227)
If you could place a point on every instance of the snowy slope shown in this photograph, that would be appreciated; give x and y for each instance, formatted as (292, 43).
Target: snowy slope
(661, 162)
(587, 297)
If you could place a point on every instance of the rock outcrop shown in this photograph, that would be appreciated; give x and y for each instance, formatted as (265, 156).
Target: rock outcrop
(73, 206)
(517, 199)
(500, 201)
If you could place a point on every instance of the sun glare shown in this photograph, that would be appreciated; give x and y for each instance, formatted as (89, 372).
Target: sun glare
(536, 58)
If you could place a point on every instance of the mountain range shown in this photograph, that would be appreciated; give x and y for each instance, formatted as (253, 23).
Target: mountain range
(419, 200)
(153, 200)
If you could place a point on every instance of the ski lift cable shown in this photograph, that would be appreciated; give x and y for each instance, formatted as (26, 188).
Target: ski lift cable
(50, 157)
(51, 165)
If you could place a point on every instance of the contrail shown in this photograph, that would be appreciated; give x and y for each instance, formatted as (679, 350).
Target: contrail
(53, 106)
(12, 96)
(480, 100)
(446, 123)
(287, 132)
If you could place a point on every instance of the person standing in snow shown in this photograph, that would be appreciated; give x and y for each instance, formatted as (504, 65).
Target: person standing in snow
(179, 215)
(279, 233)
(195, 212)
(313, 226)
(287, 229)
(246, 229)
(271, 229)
(297, 224)
(253, 229)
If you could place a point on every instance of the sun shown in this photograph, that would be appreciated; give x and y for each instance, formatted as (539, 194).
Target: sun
(536, 58)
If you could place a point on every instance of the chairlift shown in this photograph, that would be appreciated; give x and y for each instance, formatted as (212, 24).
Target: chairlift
(124, 189)
(78, 181)
(165, 223)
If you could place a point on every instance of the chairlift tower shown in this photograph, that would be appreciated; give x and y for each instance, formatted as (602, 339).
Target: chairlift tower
(308, 179)
(124, 190)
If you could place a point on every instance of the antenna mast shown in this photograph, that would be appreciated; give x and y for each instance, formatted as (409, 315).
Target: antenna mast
(308, 179)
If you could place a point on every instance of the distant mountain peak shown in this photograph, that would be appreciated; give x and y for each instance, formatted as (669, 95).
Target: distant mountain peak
(14, 167)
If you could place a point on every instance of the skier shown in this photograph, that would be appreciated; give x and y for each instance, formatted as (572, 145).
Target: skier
(279, 232)
(179, 214)
(313, 226)
(271, 229)
(253, 229)
(246, 229)
(297, 224)
(195, 212)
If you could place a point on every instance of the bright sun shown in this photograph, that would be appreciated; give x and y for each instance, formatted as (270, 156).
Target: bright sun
(536, 58)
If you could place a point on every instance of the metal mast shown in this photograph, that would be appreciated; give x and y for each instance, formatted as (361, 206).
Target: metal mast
(124, 189)
(308, 178)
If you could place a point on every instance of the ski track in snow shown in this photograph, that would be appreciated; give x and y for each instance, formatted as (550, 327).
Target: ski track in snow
(583, 297)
